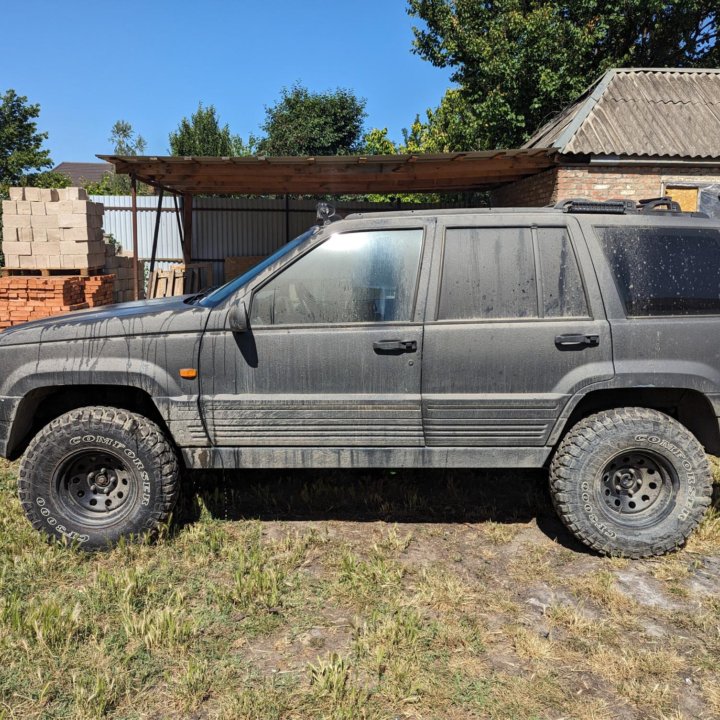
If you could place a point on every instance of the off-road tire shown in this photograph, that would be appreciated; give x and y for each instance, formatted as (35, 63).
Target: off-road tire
(63, 492)
(595, 461)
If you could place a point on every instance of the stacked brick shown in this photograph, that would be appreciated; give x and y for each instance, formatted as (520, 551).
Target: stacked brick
(121, 266)
(99, 290)
(47, 229)
(33, 298)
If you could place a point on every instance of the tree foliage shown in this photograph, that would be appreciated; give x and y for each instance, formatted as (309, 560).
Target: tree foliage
(202, 135)
(21, 150)
(518, 63)
(125, 141)
(308, 123)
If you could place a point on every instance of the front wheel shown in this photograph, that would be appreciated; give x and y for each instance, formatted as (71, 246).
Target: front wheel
(97, 474)
(631, 482)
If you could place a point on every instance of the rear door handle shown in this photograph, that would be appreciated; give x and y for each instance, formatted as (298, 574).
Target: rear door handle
(395, 346)
(576, 342)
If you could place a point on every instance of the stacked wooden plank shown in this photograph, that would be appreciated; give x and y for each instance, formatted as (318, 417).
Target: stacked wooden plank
(180, 280)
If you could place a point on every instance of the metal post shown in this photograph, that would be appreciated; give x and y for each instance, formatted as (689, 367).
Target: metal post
(135, 263)
(187, 228)
(157, 231)
(177, 217)
(287, 218)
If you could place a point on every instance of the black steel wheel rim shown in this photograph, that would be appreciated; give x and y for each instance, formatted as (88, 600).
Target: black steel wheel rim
(637, 487)
(95, 487)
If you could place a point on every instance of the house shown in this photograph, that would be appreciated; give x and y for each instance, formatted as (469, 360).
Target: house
(634, 134)
(81, 173)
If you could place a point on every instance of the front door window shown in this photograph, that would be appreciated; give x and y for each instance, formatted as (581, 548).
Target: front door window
(359, 277)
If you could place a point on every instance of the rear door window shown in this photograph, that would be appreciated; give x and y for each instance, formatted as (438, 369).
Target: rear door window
(664, 270)
(510, 273)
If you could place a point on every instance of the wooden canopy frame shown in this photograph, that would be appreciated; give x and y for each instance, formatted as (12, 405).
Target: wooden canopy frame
(328, 175)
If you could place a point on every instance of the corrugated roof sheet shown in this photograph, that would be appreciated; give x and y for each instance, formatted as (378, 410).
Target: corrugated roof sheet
(82, 172)
(652, 112)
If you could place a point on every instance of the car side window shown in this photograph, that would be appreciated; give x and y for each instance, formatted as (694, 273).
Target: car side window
(510, 273)
(562, 288)
(356, 277)
(488, 273)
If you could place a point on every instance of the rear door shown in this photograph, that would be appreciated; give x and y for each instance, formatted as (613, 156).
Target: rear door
(515, 326)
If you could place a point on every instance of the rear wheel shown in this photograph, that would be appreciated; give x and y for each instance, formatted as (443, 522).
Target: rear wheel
(97, 474)
(631, 482)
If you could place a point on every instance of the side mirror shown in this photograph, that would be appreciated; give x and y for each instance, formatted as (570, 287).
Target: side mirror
(238, 320)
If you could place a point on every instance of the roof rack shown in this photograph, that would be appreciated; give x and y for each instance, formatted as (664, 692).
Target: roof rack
(660, 205)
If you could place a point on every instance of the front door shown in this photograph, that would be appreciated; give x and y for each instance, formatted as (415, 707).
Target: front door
(332, 357)
(515, 328)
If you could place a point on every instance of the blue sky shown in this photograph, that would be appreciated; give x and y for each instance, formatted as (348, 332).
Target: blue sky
(89, 64)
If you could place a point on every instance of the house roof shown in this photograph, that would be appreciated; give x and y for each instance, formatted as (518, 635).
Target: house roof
(343, 174)
(83, 172)
(654, 112)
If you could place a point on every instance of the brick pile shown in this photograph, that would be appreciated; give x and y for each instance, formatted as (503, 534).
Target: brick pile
(33, 298)
(52, 229)
(121, 266)
(99, 290)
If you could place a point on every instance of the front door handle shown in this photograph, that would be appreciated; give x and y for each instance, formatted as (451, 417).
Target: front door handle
(576, 342)
(395, 346)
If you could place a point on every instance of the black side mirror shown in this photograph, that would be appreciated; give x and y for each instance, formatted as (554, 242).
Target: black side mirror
(238, 320)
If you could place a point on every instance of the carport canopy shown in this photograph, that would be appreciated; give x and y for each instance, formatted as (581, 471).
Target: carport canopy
(325, 175)
(334, 175)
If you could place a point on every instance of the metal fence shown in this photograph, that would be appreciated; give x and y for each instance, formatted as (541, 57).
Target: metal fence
(222, 227)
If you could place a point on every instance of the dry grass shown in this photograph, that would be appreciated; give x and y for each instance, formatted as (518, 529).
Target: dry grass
(344, 596)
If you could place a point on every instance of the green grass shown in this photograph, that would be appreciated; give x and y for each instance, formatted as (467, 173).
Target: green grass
(357, 595)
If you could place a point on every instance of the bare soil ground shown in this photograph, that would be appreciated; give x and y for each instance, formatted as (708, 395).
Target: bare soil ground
(446, 595)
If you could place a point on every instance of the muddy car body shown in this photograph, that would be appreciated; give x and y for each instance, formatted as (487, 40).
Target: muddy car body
(581, 337)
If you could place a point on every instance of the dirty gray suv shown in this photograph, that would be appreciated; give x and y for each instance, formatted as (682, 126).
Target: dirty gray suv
(584, 338)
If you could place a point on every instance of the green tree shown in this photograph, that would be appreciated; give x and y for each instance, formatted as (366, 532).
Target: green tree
(21, 145)
(518, 63)
(125, 141)
(202, 135)
(308, 123)
(22, 155)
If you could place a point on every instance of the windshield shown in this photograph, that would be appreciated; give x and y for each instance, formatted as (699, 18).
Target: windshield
(224, 291)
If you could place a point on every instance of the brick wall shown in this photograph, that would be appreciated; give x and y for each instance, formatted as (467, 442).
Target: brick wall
(599, 183)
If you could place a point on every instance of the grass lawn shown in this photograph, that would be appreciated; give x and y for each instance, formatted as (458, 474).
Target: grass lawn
(358, 595)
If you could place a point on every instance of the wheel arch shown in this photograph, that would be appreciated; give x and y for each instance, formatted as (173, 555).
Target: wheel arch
(42, 405)
(690, 407)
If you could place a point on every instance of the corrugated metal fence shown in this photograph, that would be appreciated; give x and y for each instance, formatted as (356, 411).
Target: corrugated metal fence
(222, 227)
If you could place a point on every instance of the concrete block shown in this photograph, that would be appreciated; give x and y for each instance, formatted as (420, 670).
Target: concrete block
(27, 262)
(17, 248)
(37, 208)
(51, 248)
(33, 194)
(10, 234)
(76, 234)
(25, 234)
(73, 262)
(9, 207)
(39, 235)
(82, 207)
(49, 194)
(54, 261)
(48, 222)
(11, 221)
(63, 207)
(24, 207)
(12, 261)
(71, 221)
(74, 248)
(96, 260)
(75, 193)
(17, 193)
(42, 262)
(54, 235)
